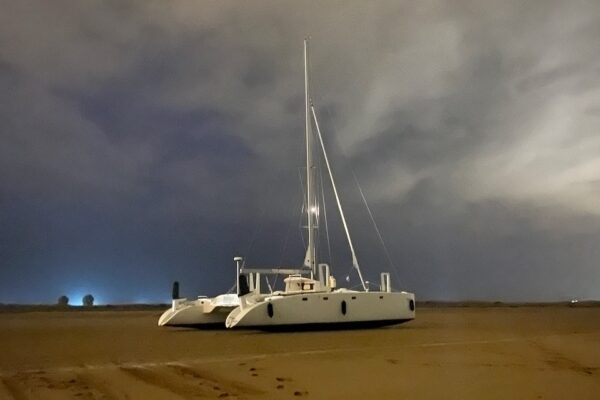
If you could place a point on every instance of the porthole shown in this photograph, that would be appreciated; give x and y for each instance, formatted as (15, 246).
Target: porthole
(344, 307)
(270, 310)
(411, 305)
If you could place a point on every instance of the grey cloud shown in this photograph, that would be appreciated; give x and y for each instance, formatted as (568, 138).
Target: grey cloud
(472, 125)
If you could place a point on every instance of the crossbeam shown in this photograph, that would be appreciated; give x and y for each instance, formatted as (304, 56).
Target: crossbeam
(276, 271)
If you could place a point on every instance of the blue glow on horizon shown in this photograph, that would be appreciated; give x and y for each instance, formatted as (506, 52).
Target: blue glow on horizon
(76, 297)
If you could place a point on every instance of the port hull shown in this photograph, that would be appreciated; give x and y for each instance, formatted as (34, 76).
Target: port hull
(203, 312)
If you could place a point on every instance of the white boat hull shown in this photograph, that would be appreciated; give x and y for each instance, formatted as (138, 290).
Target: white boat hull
(327, 310)
(200, 312)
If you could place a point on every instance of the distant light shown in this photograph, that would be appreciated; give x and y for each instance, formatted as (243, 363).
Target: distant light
(314, 209)
(74, 301)
(573, 301)
(76, 297)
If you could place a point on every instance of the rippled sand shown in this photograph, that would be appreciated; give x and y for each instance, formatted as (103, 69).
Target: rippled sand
(446, 353)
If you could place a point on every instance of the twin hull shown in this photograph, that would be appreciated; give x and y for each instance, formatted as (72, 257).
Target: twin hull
(341, 308)
(201, 312)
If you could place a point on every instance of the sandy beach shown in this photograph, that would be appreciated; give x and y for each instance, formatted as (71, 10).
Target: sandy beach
(449, 353)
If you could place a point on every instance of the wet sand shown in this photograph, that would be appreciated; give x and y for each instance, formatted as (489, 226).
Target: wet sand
(446, 353)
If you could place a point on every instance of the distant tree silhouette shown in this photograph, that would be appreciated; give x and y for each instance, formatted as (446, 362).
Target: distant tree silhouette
(88, 300)
(63, 301)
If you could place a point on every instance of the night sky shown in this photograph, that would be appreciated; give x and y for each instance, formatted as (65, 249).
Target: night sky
(147, 141)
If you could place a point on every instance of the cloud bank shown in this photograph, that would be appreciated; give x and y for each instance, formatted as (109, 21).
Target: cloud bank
(146, 141)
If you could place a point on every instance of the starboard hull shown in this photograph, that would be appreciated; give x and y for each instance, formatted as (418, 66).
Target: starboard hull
(325, 310)
(331, 326)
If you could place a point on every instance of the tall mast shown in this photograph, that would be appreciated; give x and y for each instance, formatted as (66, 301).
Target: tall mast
(311, 207)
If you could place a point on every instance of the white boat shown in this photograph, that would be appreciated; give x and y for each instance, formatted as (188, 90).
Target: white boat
(202, 312)
(310, 298)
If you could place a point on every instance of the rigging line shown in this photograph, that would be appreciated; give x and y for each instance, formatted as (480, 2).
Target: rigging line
(316, 97)
(285, 242)
(325, 215)
(380, 236)
(257, 227)
(302, 184)
(385, 249)
(302, 207)
(231, 289)
(269, 285)
(276, 278)
(337, 198)
(289, 228)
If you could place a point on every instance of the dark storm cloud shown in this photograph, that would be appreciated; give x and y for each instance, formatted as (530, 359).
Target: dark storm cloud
(149, 141)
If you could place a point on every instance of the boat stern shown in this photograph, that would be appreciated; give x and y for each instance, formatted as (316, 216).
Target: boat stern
(193, 313)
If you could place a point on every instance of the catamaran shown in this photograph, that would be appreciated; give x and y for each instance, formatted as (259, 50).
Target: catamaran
(201, 312)
(311, 298)
(204, 311)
